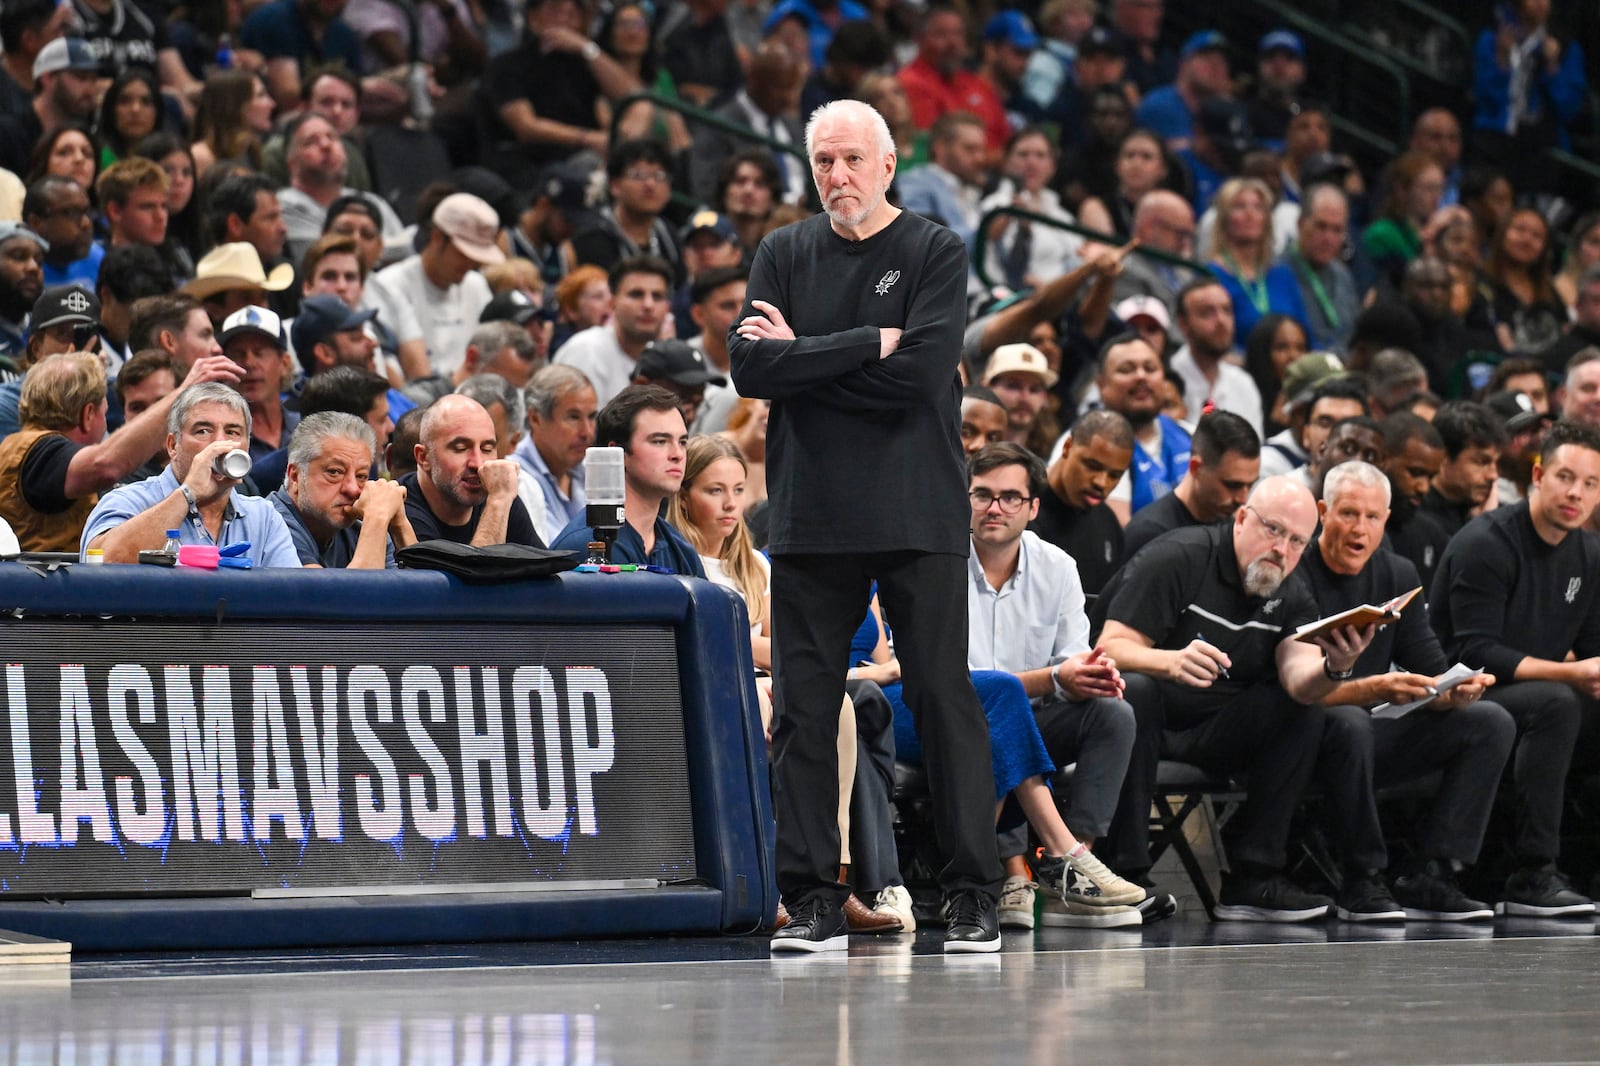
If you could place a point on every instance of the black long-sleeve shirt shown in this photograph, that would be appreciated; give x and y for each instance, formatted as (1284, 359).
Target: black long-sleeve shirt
(1409, 643)
(863, 454)
(1502, 594)
(1092, 536)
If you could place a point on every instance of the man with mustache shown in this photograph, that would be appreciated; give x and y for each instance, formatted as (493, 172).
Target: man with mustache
(1073, 514)
(1130, 377)
(1202, 623)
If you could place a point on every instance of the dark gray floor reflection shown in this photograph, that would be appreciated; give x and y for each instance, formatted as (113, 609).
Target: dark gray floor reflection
(1502, 1000)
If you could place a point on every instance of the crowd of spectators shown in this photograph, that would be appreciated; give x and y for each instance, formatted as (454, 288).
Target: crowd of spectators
(415, 259)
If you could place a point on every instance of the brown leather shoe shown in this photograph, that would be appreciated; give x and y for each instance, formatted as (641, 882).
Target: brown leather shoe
(783, 917)
(863, 919)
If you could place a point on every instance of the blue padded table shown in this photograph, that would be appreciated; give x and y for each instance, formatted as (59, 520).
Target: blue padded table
(274, 758)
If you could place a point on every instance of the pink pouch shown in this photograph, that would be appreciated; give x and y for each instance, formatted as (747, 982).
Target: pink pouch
(200, 556)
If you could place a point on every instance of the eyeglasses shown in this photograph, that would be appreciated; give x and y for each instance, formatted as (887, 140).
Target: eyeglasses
(1010, 502)
(1276, 531)
(646, 174)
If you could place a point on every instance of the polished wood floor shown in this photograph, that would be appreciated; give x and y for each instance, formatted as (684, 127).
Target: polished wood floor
(1182, 991)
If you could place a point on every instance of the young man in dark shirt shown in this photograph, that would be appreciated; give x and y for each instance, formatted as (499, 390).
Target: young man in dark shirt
(1072, 511)
(1224, 462)
(460, 492)
(646, 422)
(1459, 733)
(983, 418)
(1516, 592)
(1201, 624)
(1416, 454)
(853, 330)
(1472, 437)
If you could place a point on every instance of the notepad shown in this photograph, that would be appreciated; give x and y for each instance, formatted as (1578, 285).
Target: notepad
(1364, 615)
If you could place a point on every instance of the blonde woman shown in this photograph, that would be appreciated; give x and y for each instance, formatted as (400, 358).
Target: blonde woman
(709, 511)
(1240, 255)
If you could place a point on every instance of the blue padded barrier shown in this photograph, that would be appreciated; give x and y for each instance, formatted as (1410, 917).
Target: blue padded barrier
(90, 612)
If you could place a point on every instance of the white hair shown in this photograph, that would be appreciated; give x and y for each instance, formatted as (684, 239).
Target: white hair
(855, 112)
(1354, 472)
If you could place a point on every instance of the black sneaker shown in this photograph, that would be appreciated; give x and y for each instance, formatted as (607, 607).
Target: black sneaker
(1367, 899)
(972, 922)
(1157, 906)
(1542, 893)
(814, 925)
(1273, 898)
(1433, 895)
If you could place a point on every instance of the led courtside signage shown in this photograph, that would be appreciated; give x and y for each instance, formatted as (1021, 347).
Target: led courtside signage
(151, 758)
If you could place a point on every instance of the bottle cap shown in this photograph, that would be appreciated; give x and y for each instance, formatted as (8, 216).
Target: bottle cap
(172, 533)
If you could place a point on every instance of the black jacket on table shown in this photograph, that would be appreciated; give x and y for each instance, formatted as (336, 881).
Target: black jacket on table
(863, 454)
(1502, 594)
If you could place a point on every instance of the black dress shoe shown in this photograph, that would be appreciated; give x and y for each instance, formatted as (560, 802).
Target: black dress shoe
(972, 922)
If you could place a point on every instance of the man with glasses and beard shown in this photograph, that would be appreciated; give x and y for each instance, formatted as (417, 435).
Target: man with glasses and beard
(1201, 624)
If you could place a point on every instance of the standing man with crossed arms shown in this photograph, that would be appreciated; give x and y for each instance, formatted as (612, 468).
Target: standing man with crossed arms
(853, 330)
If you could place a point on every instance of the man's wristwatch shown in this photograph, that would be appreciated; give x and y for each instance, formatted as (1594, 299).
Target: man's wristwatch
(591, 51)
(188, 494)
(1055, 679)
(1337, 675)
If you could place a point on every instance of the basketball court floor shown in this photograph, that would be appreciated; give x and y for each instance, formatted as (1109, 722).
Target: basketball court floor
(1182, 991)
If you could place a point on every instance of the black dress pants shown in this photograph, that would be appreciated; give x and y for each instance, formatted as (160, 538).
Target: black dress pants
(818, 602)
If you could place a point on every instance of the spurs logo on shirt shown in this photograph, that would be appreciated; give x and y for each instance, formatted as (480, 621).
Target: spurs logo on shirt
(886, 282)
(1270, 606)
(1572, 589)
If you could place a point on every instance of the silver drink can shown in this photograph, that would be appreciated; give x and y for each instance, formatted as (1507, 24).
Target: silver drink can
(235, 464)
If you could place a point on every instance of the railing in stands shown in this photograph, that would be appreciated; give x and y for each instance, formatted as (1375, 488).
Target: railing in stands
(1006, 211)
(695, 113)
(1369, 93)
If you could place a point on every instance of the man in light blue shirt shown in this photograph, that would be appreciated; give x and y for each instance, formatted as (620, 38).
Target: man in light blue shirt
(206, 422)
(561, 426)
(1025, 616)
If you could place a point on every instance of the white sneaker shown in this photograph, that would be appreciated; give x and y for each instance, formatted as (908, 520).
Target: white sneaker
(1090, 881)
(896, 900)
(1016, 903)
(1059, 913)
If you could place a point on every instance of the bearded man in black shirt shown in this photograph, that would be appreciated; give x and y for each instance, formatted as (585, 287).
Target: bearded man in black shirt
(852, 328)
(1202, 623)
(1515, 593)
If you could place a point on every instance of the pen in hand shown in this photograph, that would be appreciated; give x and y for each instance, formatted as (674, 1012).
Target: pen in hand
(1222, 671)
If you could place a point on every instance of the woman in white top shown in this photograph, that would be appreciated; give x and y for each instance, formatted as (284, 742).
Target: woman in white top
(1023, 254)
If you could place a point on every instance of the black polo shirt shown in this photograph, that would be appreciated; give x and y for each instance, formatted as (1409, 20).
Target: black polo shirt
(1408, 644)
(1187, 585)
(1092, 536)
(1162, 516)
